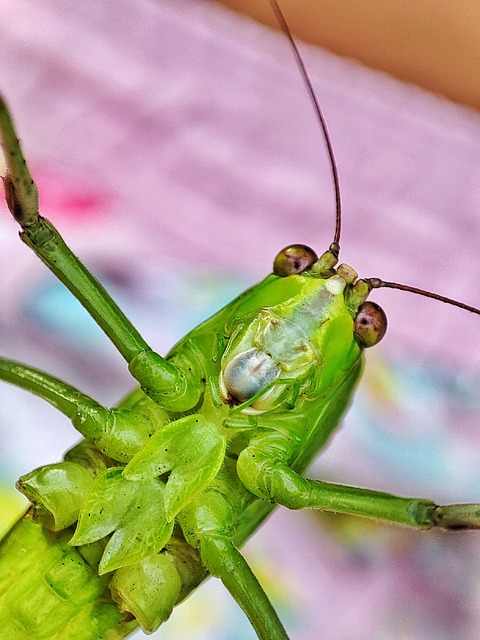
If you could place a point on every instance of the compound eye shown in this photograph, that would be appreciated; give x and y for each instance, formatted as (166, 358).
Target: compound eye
(370, 324)
(293, 260)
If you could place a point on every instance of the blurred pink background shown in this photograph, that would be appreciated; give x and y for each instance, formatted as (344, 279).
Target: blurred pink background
(175, 148)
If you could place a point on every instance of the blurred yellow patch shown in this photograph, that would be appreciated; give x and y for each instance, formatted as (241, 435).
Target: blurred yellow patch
(12, 506)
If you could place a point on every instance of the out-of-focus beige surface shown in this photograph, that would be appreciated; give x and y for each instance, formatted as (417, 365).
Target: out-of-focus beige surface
(433, 44)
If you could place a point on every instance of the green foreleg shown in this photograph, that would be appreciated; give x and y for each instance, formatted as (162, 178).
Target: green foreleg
(161, 380)
(263, 472)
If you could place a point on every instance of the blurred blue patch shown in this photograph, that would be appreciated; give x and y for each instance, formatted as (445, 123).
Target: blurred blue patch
(426, 432)
(164, 305)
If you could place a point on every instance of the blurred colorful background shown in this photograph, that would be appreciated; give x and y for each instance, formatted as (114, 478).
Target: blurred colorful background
(174, 146)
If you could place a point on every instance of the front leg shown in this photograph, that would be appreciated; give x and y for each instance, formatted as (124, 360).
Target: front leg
(168, 383)
(263, 468)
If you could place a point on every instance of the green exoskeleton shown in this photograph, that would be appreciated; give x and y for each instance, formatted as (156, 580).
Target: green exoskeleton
(166, 486)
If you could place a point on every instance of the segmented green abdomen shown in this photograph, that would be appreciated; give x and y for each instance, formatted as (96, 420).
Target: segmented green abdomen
(49, 590)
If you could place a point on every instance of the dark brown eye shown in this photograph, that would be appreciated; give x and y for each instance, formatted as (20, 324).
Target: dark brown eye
(294, 259)
(370, 324)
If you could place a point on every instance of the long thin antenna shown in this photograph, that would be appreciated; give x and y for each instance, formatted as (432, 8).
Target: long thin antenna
(376, 283)
(335, 248)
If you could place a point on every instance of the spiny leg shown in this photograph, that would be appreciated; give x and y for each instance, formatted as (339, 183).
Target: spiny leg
(164, 381)
(205, 524)
(263, 468)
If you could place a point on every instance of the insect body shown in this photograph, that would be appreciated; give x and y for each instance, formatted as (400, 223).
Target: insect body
(168, 484)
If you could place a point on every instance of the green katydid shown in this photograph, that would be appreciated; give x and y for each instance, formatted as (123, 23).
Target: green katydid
(168, 484)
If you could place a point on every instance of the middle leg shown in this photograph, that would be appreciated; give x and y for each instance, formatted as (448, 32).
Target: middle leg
(264, 469)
